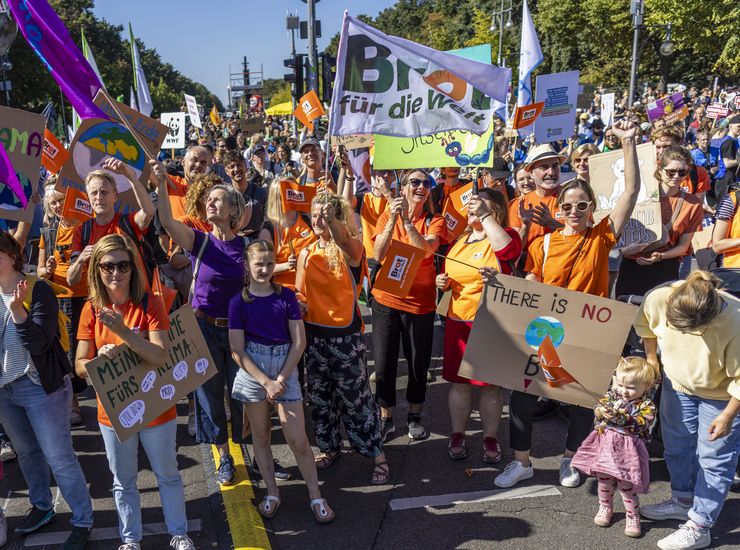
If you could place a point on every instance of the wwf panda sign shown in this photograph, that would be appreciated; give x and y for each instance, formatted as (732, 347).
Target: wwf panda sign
(175, 122)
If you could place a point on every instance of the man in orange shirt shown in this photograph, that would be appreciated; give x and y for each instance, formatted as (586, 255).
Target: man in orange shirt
(196, 161)
(532, 214)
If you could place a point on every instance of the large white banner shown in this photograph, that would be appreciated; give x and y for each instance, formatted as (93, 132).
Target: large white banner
(392, 86)
(559, 91)
(175, 122)
(193, 111)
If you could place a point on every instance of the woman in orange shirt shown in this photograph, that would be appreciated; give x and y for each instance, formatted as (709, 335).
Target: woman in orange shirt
(291, 233)
(120, 311)
(410, 320)
(574, 257)
(488, 242)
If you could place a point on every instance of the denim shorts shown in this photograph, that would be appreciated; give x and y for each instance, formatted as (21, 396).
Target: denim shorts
(270, 360)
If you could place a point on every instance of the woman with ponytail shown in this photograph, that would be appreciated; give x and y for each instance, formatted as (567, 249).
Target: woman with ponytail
(696, 326)
(329, 275)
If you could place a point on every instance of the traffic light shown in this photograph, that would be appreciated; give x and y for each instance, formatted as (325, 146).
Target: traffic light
(328, 70)
(296, 78)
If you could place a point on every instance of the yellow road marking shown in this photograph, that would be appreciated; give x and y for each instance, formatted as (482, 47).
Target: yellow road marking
(247, 529)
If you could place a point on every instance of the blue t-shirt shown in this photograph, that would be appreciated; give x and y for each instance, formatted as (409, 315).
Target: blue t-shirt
(264, 320)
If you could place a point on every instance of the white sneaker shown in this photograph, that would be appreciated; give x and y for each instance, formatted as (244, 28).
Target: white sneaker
(513, 474)
(668, 509)
(182, 542)
(130, 546)
(191, 424)
(686, 538)
(569, 477)
(3, 529)
(7, 453)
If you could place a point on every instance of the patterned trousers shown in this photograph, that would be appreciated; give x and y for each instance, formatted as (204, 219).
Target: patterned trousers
(338, 388)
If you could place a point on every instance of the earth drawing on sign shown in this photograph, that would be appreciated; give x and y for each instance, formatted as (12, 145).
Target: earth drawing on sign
(543, 326)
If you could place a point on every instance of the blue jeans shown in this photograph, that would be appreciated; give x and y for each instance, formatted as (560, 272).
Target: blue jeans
(270, 360)
(159, 445)
(210, 414)
(699, 468)
(38, 426)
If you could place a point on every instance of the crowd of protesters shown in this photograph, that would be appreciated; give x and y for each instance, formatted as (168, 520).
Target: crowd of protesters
(277, 296)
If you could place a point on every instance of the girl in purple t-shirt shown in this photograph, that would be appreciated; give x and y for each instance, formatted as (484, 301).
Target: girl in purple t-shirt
(267, 339)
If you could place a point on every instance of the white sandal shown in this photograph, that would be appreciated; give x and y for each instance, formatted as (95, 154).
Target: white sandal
(266, 509)
(323, 514)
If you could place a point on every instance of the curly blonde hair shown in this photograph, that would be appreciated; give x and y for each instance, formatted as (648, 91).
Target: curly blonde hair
(198, 191)
(335, 256)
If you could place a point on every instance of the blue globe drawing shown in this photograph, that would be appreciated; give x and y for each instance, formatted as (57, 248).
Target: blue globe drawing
(543, 326)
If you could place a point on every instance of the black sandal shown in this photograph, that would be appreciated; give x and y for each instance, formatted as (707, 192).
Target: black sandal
(381, 473)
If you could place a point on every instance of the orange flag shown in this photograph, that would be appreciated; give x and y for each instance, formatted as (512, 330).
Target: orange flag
(551, 366)
(296, 197)
(54, 155)
(76, 205)
(402, 261)
(167, 294)
(461, 197)
(526, 114)
(454, 220)
(308, 109)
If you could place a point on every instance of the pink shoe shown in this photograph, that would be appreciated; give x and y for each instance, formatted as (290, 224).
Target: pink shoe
(603, 517)
(633, 528)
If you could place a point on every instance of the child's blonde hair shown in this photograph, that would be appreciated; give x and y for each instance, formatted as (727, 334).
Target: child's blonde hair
(637, 369)
(256, 247)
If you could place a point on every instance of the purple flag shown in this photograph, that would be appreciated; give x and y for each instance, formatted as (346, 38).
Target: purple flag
(50, 39)
(10, 178)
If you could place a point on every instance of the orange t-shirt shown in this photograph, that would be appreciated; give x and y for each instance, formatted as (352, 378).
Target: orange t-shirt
(688, 221)
(59, 276)
(99, 231)
(588, 270)
(422, 297)
(300, 235)
(531, 200)
(703, 183)
(176, 190)
(134, 317)
(372, 208)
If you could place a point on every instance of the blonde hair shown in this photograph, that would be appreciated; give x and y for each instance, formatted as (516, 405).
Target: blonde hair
(234, 199)
(335, 256)
(104, 175)
(584, 148)
(256, 247)
(274, 210)
(197, 191)
(696, 303)
(49, 188)
(637, 369)
(111, 243)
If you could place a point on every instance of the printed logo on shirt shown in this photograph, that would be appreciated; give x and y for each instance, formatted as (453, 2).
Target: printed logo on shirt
(477, 255)
(451, 221)
(399, 268)
(295, 196)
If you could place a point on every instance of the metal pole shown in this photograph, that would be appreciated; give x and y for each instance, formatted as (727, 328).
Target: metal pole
(500, 32)
(312, 54)
(293, 125)
(637, 21)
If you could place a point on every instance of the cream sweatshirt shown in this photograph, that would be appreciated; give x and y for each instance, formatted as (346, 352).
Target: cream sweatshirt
(707, 366)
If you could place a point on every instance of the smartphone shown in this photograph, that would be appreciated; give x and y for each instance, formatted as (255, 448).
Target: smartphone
(475, 185)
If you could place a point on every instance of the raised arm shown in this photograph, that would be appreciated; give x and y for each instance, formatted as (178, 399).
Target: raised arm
(146, 212)
(626, 130)
(178, 231)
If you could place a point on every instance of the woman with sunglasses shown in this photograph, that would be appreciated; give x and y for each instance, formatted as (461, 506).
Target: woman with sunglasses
(120, 311)
(579, 160)
(574, 257)
(409, 321)
(646, 266)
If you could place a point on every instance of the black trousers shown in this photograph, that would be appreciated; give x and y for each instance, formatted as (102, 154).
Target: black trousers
(521, 407)
(638, 279)
(391, 328)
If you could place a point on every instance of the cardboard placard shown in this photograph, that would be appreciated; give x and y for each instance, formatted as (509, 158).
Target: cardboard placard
(252, 125)
(717, 111)
(353, 141)
(134, 393)
(607, 109)
(559, 91)
(516, 315)
(175, 123)
(97, 139)
(22, 136)
(671, 108)
(607, 180)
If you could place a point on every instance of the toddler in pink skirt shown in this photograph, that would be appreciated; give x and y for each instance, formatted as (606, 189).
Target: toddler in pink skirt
(615, 451)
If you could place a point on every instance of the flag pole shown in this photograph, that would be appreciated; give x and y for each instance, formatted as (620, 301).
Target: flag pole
(443, 256)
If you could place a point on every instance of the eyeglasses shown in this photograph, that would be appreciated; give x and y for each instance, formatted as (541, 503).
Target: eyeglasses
(415, 182)
(673, 173)
(582, 160)
(581, 206)
(122, 267)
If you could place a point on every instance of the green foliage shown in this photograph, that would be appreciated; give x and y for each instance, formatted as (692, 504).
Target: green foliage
(275, 90)
(33, 86)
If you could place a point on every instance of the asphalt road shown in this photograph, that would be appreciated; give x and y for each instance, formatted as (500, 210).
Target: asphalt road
(413, 511)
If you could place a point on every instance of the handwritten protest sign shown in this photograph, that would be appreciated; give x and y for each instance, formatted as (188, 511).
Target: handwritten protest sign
(717, 111)
(670, 108)
(607, 177)
(175, 123)
(516, 315)
(353, 141)
(192, 106)
(22, 136)
(607, 109)
(134, 393)
(559, 91)
(252, 125)
(96, 140)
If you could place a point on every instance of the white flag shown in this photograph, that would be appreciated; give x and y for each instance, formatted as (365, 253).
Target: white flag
(392, 86)
(132, 99)
(530, 57)
(143, 98)
(87, 52)
(193, 111)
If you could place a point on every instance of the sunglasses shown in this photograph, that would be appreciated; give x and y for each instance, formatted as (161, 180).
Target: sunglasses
(582, 160)
(673, 173)
(581, 206)
(122, 267)
(415, 182)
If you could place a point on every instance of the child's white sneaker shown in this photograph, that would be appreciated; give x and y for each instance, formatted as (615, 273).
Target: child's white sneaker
(687, 537)
(668, 509)
(513, 474)
(569, 476)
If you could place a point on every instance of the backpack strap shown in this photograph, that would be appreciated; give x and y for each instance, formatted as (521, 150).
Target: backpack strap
(694, 179)
(545, 250)
(86, 232)
(677, 211)
(196, 268)
(125, 224)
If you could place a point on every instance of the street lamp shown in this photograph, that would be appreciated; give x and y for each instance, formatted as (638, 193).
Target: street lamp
(497, 22)
(667, 47)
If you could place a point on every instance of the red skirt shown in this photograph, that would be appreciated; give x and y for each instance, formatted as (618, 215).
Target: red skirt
(456, 338)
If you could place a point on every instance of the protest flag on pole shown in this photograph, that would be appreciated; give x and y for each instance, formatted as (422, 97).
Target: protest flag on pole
(76, 205)
(296, 197)
(530, 56)
(392, 86)
(214, 116)
(53, 155)
(402, 262)
(143, 99)
(132, 99)
(308, 109)
(525, 115)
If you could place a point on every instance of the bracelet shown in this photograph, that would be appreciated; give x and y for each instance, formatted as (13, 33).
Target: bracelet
(484, 217)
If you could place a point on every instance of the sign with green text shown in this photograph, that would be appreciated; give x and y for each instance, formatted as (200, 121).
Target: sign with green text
(134, 393)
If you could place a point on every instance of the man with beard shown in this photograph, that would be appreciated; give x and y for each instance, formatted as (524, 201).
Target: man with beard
(312, 159)
(255, 196)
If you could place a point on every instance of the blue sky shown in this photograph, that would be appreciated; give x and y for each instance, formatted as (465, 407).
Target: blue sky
(202, 39)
